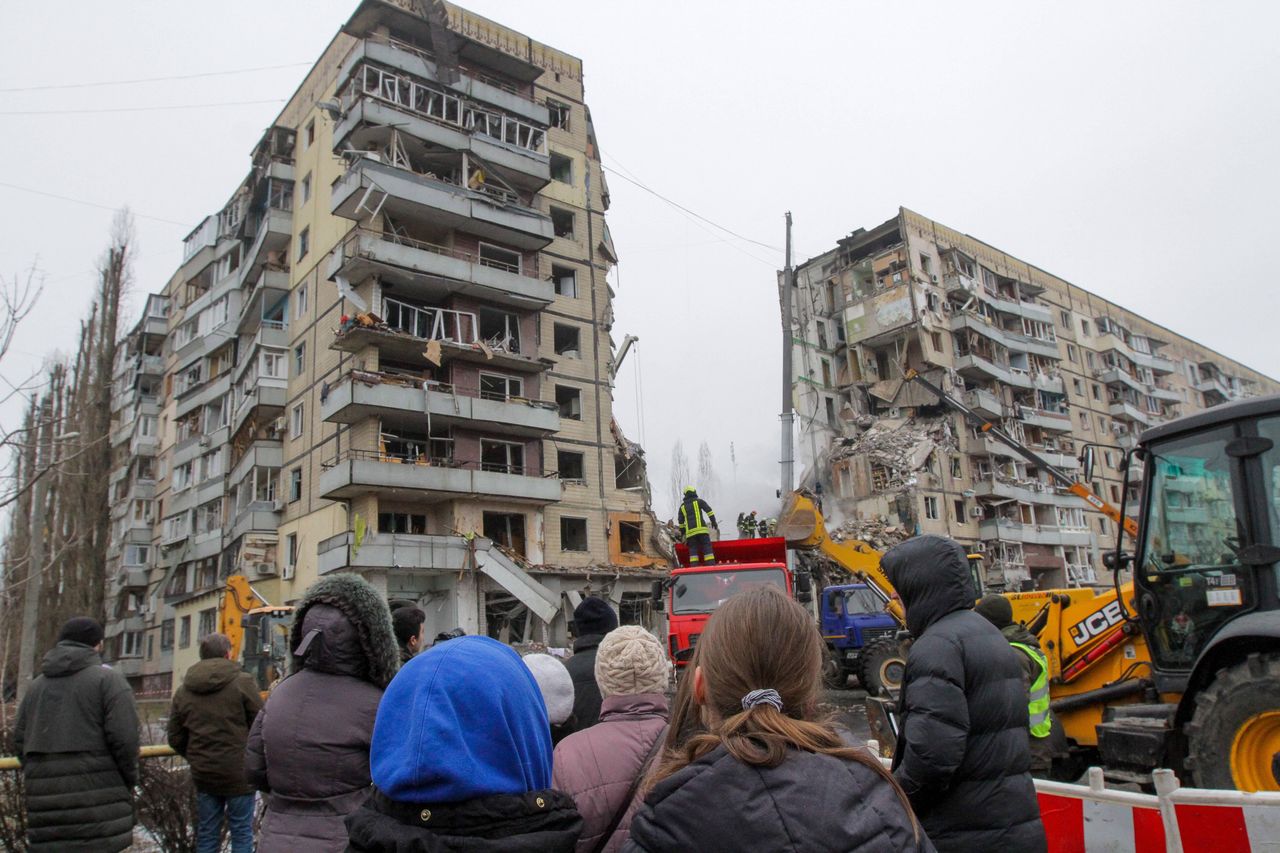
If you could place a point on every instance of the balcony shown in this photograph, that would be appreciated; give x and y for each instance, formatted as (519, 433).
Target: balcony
(1126, 411)
(432, 273)
(270, 249)
(359, 472)
(1033, 534)
(402, 401)
(268, 291)
(207, 392)
(1050, 383)
(982, 369)
(985, 403)
(370, 185)
(1017, 307)
(144, 445)
(1156, 363)
(256, 517)
(263, 453)
(265, 396)
(1045, 419)
(1215, 384)
(1031, 492)
(394, 550)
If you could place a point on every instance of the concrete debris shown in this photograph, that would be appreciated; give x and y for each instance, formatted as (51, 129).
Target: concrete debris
(876, 532)
(901, 447)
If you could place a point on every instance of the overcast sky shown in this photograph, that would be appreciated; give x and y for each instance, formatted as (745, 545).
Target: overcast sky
(1127, 147)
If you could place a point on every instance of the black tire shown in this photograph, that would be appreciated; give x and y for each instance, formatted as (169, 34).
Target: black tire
(880, 666)
(1240, 697)
(834, 676)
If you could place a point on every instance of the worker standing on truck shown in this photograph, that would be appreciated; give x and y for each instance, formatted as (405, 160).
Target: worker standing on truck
(1047, 737)
(696, 520)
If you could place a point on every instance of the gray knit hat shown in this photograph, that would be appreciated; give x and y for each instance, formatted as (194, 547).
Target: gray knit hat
(630, 661)
(555, 683)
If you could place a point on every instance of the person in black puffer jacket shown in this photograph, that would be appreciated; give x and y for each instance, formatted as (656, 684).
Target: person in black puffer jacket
(963, 753)
(748, 764)
(592, 619)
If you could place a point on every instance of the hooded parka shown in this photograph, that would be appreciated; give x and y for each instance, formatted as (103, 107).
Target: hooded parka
(209, 725)
(963, 753)
(308, 749)
(77, 736)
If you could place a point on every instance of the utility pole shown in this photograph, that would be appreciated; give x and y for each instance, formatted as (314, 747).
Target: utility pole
(788, 453)
(35, 553)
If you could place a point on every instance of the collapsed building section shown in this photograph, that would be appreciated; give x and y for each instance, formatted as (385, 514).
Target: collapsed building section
(1055, 365)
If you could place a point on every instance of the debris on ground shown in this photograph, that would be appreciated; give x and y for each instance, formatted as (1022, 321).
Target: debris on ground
(876, 532)
(896, 450)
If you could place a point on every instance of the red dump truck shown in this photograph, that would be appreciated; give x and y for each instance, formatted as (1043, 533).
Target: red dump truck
(692, 593)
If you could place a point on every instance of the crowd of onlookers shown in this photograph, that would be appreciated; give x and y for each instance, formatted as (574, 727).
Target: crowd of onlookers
(381, 741)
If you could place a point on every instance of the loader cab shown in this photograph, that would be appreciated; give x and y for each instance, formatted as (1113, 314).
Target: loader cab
(266, 645)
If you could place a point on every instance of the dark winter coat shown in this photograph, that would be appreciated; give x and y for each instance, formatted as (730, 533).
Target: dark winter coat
(308, 749)
(586, 693)
(77, 736)
(209, 725)
(963, 753)
(536, 822)
(597, 766)
(806, 804)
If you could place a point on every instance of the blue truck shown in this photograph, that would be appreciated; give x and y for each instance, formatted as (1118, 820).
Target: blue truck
(853, 619)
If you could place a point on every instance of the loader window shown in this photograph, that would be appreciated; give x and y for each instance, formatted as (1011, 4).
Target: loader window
(859, 601)
(1270, 428)
(1192, 580)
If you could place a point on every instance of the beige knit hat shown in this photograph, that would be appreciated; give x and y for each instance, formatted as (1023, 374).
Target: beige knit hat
(629, 661)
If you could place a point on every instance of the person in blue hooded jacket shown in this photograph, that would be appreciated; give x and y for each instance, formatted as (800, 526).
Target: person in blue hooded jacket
(461, 759)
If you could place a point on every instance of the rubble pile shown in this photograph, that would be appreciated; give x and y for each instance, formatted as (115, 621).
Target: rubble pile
(902, 447)
(876, 532)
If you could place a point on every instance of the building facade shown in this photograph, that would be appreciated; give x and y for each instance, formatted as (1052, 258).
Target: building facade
(1056, 366)
(390, 351)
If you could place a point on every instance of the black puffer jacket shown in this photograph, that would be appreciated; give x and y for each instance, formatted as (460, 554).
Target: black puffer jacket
(808, 803)
(582, 669)
(963, 754)
(77, 736)
(537, 822)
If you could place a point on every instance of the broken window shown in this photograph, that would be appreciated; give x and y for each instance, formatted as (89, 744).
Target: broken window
(879, 477)
(506, 617)
(559, 114)
(566, 340)
(570, 402)
(822, 335)
(1084, 328)
(959, 508)
(936, 338)
(629, 473)
(630, 537)
(309, 137)
(506, 529)
(573, 534)
(305, 189)
(1097, 391)
(831, 411)
(304, 242)
(571, 465)
(635, 609)
(402, 522)
(503, 457)
(1078, 387)
(501, 329)
(826, 373)
(495, 386)
(931, 508)
(957, 467)
(499, 258)
(561, 168)
(562, 222)
(566, 279)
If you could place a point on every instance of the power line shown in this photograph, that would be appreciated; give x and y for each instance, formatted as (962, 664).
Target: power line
(137, 109)
(98, 83)
(92, 204)
(687, 210)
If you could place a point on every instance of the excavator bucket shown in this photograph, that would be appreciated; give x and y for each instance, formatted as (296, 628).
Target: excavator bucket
(800, 521)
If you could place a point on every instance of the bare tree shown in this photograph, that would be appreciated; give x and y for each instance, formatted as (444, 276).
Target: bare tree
(708, 482)
(680, 476)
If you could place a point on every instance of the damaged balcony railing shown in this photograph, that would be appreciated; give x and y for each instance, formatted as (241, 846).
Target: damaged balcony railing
(443, 324)
(394, 457)
(429, 56)
(409, 380)
(351, 248)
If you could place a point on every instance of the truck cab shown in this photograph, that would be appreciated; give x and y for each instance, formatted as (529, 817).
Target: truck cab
(692, 593)
(852, 616)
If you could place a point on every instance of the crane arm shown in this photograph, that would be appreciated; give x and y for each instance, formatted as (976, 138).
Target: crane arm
(802, 525)
(622, 354)
(1061, 477)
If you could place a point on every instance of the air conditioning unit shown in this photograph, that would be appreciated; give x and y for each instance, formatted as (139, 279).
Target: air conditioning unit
(263, 570)
(934, 278)
(287, 574)
(976, 512)
(277, 505)
(278, 425)
(204, 441)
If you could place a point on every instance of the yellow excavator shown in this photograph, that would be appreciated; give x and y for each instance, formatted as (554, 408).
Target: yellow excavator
(258, 631)
(1180, 667)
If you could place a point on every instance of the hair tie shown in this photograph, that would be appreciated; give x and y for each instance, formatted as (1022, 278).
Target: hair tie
(768, 696)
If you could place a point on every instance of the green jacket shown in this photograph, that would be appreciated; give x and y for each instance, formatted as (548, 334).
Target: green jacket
(209, 725)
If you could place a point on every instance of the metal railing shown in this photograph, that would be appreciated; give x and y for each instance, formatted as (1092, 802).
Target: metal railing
(373, 378)
(350, 248)
(410, 458)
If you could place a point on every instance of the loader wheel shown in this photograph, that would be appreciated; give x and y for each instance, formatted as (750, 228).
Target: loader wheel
(834, 676)
(1233, 739)
(881, 666)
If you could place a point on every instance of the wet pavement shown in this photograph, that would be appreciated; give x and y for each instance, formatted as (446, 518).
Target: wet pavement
(849, 709)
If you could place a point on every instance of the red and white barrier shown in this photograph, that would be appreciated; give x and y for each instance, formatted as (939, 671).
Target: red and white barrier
(1210, 821)
(1092, 819)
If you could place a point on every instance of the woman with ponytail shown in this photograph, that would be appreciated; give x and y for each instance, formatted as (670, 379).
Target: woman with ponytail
(749, 765)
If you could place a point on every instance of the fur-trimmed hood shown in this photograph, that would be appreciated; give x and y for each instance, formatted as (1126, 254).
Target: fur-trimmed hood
(349, 625)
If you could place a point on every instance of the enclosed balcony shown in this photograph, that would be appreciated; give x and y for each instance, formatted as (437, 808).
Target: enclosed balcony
(982, 369)
(358, 472)
(433, 272)
(1057, 421)
(370, 186)
(985, 402)
(399, 400)
(1034, 534)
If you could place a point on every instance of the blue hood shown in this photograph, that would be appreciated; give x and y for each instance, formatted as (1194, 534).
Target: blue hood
(462, 720)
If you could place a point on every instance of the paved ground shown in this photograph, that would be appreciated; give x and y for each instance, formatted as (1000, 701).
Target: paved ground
(849, 708)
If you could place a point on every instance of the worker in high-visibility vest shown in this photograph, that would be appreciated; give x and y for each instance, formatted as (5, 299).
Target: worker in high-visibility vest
(696, 519)
(1047, 736)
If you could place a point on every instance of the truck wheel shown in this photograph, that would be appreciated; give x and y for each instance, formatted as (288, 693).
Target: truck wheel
(1233, 739)
(881, 666)
(834, 676)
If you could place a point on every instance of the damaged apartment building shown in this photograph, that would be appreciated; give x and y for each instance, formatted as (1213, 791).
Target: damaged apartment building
(389, 353)
(1056, 366)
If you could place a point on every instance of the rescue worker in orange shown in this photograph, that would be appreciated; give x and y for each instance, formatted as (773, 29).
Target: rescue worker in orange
(696, 520)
